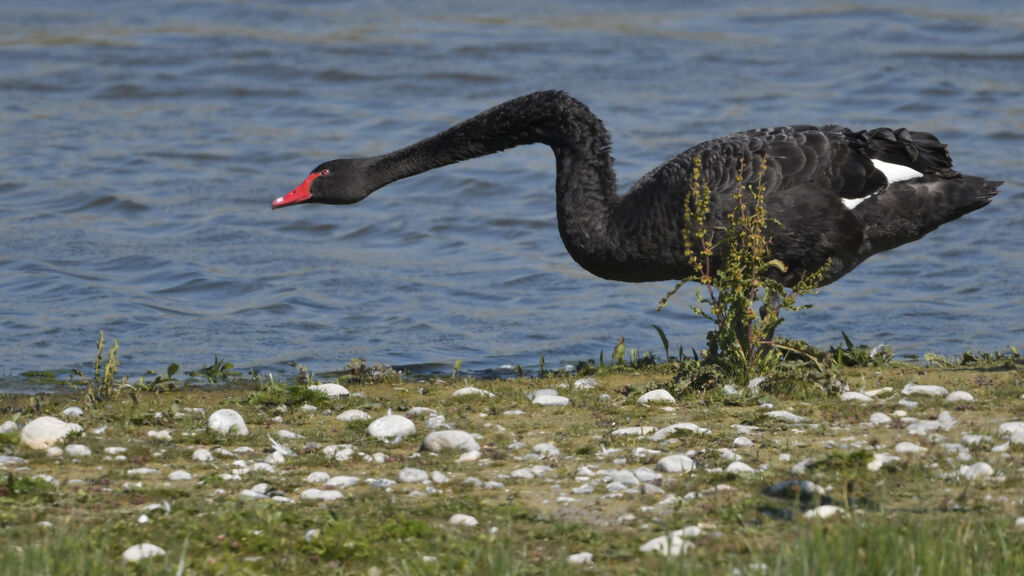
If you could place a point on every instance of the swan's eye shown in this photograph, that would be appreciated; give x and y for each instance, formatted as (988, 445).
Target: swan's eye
(325, 172)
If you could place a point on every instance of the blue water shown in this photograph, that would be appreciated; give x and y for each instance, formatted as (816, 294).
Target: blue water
(142, 144)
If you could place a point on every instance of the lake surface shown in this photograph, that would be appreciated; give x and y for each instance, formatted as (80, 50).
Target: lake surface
(142, 144)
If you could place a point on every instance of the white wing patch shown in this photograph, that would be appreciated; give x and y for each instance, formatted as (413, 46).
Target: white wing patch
(895, 172)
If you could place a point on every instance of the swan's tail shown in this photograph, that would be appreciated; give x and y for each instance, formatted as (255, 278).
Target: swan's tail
(906, 211)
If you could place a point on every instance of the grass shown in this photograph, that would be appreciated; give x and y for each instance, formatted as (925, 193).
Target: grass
(916, 516)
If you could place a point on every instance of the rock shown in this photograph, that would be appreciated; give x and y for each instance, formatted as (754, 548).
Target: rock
(742, 442)
(668, 545)
(674, 429)
(879, 419)
(740, 468)
(471, 391)
(1011, 428)
(159, 434)
(438, 477)
(625, 477)
(142, 551)
(909, 448)
(785, 416)
(54, 451)
(353, 415)
(8, 427)
(923, 390)
(923, 427)
(977, 471)
(317, 477)
(676, 463)
(959, 396)
(855, 397)
(342, 481)
(179, 475)
(824, 511)
(659, 396)
(77, 450)
(72, 412)
(413, 476)
(550, 400)
(46, 431)
(462, 520)
(391, 427)
(226, 420)
(877, 392)
(580, 558)
(442, 440)
(6, 460)
(881, 459)
(202, 455)
(633, 431)
(330, 390)
(585, 383)
(141, 471)
(547, 450)
(317, 494)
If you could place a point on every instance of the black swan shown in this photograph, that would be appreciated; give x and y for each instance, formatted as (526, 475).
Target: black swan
(832, 195)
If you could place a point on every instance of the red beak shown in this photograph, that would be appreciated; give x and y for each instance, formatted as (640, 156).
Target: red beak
(299, 195)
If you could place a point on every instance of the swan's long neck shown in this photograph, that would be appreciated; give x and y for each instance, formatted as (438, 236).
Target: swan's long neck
(585, 185)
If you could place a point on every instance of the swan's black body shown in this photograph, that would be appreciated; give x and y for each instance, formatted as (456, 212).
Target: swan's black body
(638, 237)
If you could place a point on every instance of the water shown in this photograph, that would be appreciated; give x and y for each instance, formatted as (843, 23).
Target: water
(143, 143)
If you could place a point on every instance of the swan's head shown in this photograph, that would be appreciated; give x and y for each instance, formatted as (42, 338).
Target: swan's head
(334, 182)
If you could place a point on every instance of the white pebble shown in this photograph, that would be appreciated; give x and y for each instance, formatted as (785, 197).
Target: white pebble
(8, 427)
(342, 481)
(159, 434)
(1011, 428)
(54, 452)
(179, 475)
(880, 459)
(141, 471)
(742, 442)
(923, 390)
(547, 450)
(413, 476)
(462, 520)
(202, 455)
(785, 416)
(633, 431)
(659, 396)
(142, 551)
(855, 397)
(77, 450)
(226, 420)
(72, 412)
(676, 463)
(585, 383)
(471, 391)
(739, 468)
(824, 511)
(330, 390)
(318, 477)
(879, 419)
(317, 494)
(978, 470)
(450, 440)
(391, 427)
(353, 415)
(580, 558)
(909, 448)
(959, 396)
(46, 431)
(550, 400)
(674, 429)
(670, 545)
(114, 450)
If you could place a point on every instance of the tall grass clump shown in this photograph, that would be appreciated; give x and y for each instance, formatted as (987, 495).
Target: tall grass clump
(738, 286)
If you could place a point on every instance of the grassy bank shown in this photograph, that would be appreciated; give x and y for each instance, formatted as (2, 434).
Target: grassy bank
(923, 512)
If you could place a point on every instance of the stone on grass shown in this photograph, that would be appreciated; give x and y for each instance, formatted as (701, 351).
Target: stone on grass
(317, 477)
(580, 558)
(958, 396)
(547, 450)
(77, 450)
(668, 545)
(317, 494)
(739, 468)
(944, 421)
(330, 390)
(633, 431)
(1011, 428)
(202, 455)
(824, 511)
(585, 383)
(977, 471)
(659, 396)
(342, 481)
(462, 520)
(785, 416)
(923, 390)
(159, 434)
(72, 412)
(8, 427)
(675, 429)
(353, 415)
(909, 448)
(742, 442)
(676, 463)
(472, 391)
(142, 551)
(550, 400)
(879, 419)
(226, 421)
(880, 459)
(46, 431)
(855, 397)
(391, 427)
(413, 476)
(442, 440)
(179, 475)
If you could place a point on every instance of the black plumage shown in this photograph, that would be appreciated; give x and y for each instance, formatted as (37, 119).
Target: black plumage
(813, 176)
